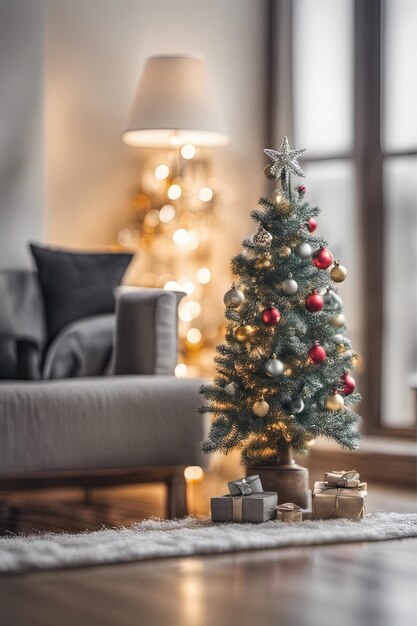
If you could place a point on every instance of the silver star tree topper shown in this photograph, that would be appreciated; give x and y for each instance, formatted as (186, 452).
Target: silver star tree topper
(285, 159)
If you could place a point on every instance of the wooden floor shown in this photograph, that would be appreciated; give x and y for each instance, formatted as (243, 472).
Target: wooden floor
(366, 584)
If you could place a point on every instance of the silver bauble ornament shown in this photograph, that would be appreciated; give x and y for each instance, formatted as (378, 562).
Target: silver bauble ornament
(274, 367)
(260, 407)
(304, 250)
(231, 388)
(233, 298)
(334, 402)
(262, 238)
(338, 321)
(331, 298)
(289, 286)
(297, 406)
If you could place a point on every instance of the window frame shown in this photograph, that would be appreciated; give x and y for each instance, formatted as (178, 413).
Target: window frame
(368, 158)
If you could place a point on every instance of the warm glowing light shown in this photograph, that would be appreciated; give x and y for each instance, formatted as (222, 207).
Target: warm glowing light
(193, 335)
(187, 286)
(203, 275)
(166, 213)
(186, 238)
(128, 237)
(152, 218)
(174, 192)
(193, 474)
(205, 194)
(278, 198)
(193, 240)
(181, 370)
(188, 151)
(189, 311)
(162, 172)
(180, 237)
(172, 285)
(175, 141)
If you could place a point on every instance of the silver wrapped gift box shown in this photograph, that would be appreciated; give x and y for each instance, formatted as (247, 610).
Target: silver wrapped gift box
(254, 508)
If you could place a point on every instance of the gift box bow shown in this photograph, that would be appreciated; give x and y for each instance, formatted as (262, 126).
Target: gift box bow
(342, 480)
(288, 506)
(245, 486)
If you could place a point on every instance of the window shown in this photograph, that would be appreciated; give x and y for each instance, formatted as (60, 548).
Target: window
(344, 87)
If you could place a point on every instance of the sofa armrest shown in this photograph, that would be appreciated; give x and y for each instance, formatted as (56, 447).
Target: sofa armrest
(146, 340)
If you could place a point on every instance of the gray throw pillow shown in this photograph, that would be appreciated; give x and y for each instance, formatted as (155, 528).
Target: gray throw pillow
(83, 348)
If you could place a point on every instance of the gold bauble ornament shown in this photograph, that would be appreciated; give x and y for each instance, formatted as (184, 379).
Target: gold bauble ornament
(288, 371)
(244, 333)
(338, 272)
(338, 321)
(268, 172)
(263, 262)
(284, 206)
(260, 407)
(334, 402)
(284, 252)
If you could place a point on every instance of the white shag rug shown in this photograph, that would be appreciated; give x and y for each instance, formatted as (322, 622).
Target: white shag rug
(154, 539)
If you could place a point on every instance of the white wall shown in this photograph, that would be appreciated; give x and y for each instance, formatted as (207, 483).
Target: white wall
(68, 69)
(22, 198)
(95, 50)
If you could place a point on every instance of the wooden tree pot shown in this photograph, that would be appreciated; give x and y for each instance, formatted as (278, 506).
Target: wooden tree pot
(286, 477)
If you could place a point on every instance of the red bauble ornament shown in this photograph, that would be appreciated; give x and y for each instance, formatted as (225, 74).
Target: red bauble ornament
(348, 384)
(317, 353)
(314, 302)
(271, 316)
(322, 258)
(312, 224)
(301, 189)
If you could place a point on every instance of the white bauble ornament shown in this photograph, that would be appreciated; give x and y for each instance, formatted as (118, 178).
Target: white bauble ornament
(303, 250)
(274, 367)
(260, 407)
(231, 388)
(233, 298)
(262, 238)
(297, 406)
(331, 298)
(289, 286)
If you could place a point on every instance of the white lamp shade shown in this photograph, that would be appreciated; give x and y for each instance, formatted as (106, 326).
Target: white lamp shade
(174, 105)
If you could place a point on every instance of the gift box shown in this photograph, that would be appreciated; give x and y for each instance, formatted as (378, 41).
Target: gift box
(253, 508)
(245, 486)
(342, 494)
(289, 512)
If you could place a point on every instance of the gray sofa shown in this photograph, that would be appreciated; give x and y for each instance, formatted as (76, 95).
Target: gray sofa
(139, 423)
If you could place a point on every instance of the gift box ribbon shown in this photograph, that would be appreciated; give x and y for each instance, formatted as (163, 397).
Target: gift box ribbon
(343, 479)
(288, 506)
(245, 486)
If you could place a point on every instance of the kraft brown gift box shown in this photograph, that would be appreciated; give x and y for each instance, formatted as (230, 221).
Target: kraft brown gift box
(331, 501)
(254, 509)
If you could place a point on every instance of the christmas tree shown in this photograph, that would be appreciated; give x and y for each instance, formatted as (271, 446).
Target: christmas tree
(283, 374)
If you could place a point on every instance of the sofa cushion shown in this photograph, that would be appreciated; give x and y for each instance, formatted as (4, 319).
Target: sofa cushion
(76, 285)
(83, 348)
